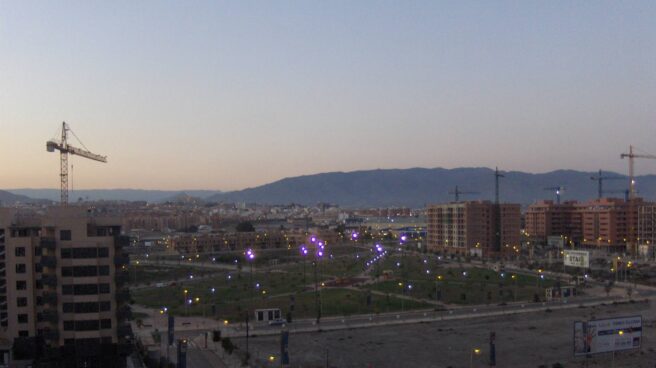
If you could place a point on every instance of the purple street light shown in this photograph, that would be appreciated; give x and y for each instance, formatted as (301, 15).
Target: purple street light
(313, 239)
(304, 250)
(250, 255)
(320, 253)
(404, 238)
(354, 235)
(379, 248)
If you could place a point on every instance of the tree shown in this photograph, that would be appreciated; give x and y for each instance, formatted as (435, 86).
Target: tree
(245, 227)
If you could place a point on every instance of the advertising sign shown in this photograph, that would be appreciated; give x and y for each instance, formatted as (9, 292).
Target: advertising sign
(576, 258)
(607, 335)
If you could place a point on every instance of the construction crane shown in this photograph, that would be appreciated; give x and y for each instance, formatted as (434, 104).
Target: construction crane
(497, 175)
(64, 150)
(600, 182)
(559, 190)
(631, 155)
(457, 192)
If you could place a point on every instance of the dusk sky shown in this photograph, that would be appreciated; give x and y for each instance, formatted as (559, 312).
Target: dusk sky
(227, 95)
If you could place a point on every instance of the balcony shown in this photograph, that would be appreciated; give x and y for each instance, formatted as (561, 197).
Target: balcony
(49, 261)
(49, 280)
(121, 260)
(124, 331)
(124, 349)
(52, 335)
(50, 315)
(123, 296)
(49, 298)
(48, 243)
(122, 241)
(124, 313)
(122, 278)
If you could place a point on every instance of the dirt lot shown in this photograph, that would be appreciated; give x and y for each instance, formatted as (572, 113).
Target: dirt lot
(525, 340)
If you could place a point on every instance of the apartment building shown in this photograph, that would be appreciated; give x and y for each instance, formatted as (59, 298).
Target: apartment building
(468, 228)
(546, 218)
(62, 295)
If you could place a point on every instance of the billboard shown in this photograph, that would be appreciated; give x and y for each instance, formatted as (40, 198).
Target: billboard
(607, 335)
(576, 258)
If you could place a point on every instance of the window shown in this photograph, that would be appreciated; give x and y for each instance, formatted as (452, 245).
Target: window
(20, 268)
(91, 325)
(21, 285)
(20, 251)
(65, 235)
(103, 252)
(21, 302)
(105, 324)
(23, 333)
(69, 325)
(86, 307)
(103, 270)
(85, 289)
(22, 318)
(85, 253)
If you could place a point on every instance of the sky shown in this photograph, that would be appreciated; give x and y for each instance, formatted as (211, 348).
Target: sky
(228, 95)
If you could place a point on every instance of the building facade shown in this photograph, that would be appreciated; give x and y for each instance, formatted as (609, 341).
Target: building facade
(62, 294)
(546, 218)
(468, 228)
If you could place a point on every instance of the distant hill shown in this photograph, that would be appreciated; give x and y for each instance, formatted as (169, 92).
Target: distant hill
(382, 188)
(417, 187)
(113, 194)
(8, 199)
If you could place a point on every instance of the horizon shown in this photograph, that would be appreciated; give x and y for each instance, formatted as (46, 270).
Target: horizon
(314, 174)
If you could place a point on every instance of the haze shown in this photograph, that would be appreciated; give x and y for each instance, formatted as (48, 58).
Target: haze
(227, 95)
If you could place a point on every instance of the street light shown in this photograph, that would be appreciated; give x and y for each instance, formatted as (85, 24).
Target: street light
(319, 253)
(304, 253)
(474, 351)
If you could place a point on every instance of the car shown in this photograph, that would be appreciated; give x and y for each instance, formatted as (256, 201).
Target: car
(277, 322)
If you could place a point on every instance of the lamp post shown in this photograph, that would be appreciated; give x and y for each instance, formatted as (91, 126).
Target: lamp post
(620, 333)
(317, 294)
(250, 258)
(304, 253)
(514, 278)
(474, 351)
(184, 301)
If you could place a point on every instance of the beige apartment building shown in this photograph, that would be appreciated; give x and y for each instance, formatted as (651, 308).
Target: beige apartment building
(468, 228)
(62, 276)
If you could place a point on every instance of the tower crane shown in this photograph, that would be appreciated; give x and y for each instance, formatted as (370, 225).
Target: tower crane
(600, 182)
(559, 190)
(457, 192)
(631, 155)
(64, 150)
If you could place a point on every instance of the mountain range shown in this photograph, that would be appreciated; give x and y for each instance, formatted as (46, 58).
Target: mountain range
(413, 187)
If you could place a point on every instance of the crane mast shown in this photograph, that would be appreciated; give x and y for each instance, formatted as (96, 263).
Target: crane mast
(64, 150)
(631, 156)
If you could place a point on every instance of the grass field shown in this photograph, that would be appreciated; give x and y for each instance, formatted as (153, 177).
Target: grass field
(413, 275)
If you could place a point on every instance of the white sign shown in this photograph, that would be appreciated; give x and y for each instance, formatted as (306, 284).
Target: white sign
(607, 335)
(576, 258)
